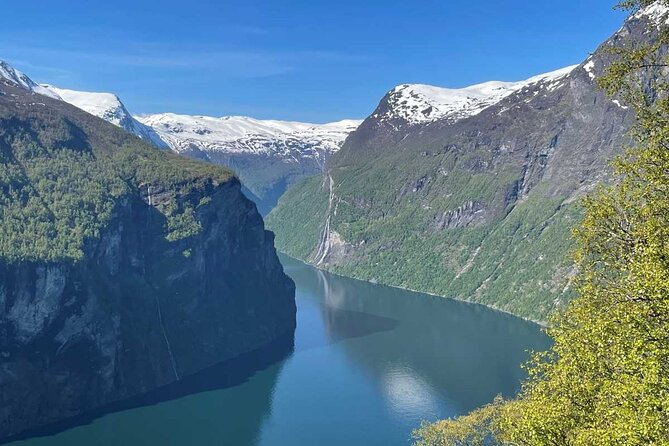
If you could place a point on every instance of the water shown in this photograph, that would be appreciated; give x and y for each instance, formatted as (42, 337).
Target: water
(369, 363)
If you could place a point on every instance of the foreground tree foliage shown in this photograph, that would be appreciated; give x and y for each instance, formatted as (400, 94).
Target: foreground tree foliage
(477, 428)
(606, 379)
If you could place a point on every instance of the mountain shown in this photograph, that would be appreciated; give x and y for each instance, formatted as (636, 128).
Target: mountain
(16, 77)
(108, 107)
(123, 268)
(467, 193)
(411, 104)
(268, 156)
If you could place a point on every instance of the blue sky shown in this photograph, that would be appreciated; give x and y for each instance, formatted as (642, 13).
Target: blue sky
(309, 60)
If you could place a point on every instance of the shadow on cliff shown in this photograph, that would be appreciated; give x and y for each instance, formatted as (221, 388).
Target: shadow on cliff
(179, 274)
(228, 374)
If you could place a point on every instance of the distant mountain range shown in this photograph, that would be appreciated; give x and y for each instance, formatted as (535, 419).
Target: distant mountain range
(267, 155)
(270, 155)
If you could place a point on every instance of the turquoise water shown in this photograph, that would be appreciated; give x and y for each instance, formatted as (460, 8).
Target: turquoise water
(369, 363)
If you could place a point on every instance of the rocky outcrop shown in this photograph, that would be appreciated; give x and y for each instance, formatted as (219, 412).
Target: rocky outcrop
(469, 213)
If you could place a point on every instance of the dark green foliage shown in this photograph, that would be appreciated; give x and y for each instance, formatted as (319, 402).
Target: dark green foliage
(479, 209)
(509, 264)
(61, 177)
(298, 236)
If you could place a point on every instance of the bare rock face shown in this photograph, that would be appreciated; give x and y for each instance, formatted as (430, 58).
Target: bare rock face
(464, 215)
(138, 313)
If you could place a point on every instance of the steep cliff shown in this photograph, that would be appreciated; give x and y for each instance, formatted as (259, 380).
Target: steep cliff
(475, 201)
(122, 268)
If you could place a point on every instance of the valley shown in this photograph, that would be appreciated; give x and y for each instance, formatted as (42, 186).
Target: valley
(484, 264)
(467, 193)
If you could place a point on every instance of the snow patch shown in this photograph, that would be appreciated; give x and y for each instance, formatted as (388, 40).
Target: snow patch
(657, 13)
(241, 134)
(418, 103)
(18, 78)
(617, 102)
(109, 107)
(104, 105)
(589, 68)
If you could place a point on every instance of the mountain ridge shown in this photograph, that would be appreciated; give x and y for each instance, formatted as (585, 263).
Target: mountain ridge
(233, 132)
(478, 208)
(19, 78)
(270, 155)
(109, 107)
(421, 103)
(267, 155)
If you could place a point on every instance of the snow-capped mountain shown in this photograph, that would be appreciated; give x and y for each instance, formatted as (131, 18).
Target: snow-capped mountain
(109, 107)
(504, 163)
(271, 155)
(267, 155)
(417, 104)
(15, 76)
(103, 105)
(241, 134)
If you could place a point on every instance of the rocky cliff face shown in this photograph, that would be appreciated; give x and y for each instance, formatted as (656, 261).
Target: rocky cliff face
(142, 307)
(475, 201)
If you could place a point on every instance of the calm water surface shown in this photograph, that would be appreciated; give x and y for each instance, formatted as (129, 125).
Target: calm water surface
(369, 363)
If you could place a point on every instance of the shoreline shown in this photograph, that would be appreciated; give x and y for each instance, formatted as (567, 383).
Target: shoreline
(541, 324)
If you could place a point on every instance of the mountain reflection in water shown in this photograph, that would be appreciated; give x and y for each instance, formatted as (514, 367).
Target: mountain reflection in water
(369, 364)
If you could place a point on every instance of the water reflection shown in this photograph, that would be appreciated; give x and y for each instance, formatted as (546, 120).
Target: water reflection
(169, 415)
(408, 392)
(429, 348)
(369, 363)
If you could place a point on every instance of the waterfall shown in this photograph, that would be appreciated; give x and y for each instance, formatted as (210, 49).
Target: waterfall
(325, 243)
